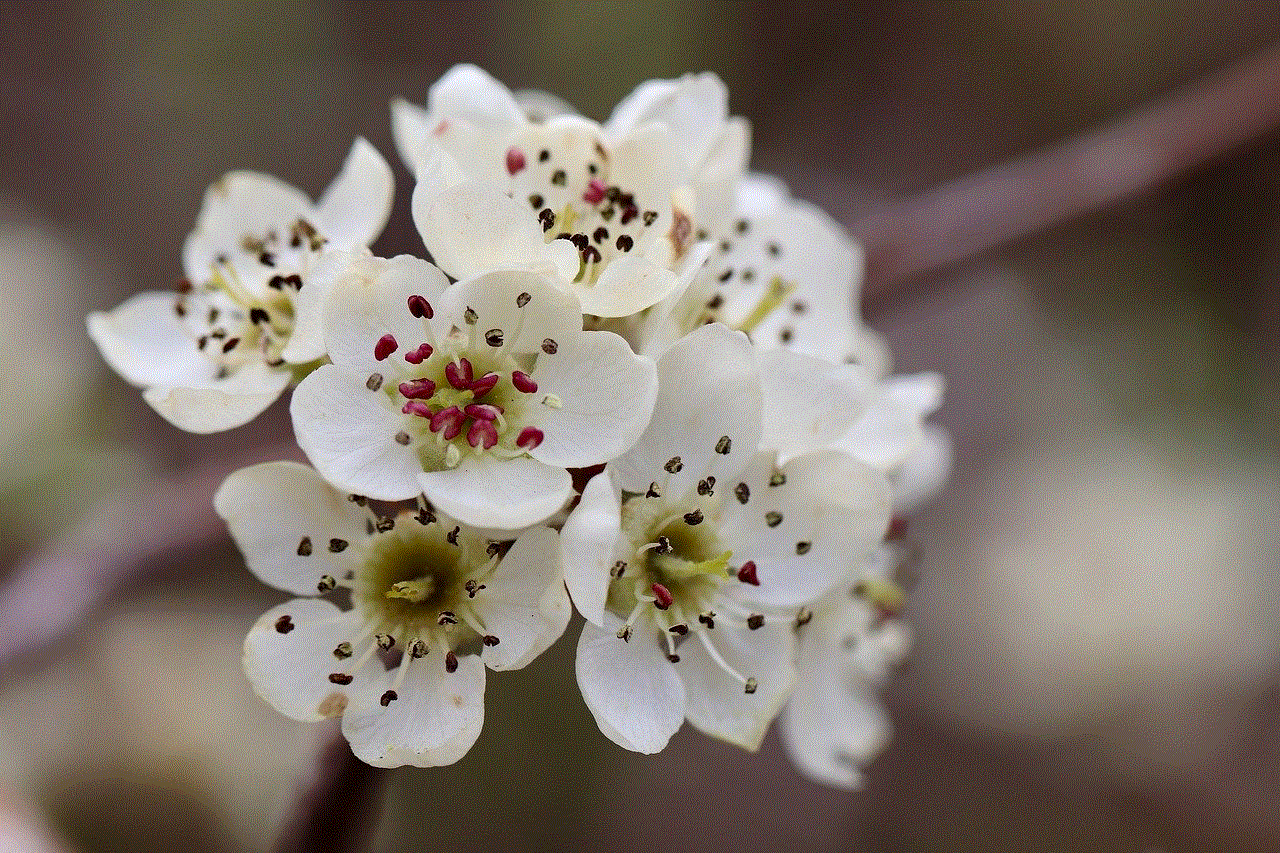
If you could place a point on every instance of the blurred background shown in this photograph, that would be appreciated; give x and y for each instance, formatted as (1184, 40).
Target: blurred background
(1096, 598)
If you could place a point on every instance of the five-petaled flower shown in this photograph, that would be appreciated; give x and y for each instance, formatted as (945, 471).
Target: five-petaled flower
(242, 326)
(432, 604)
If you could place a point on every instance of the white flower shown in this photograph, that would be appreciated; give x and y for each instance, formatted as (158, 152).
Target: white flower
(614, 213)
(783, 272)
(691, 555)
(833, 724)
(479, 395)
(242, 326)
(435, 595)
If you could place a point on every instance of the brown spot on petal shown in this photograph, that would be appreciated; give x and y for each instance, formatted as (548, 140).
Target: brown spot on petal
(333, 705)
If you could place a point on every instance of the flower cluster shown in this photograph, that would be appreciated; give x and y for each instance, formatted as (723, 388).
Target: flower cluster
(630, 381)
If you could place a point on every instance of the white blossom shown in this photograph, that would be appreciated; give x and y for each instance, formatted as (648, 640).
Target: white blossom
(614, 213)
(479, 394)
(432, 604)
(691, 555)
(242, 327)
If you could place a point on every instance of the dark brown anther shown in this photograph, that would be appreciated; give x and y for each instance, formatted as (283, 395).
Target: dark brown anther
(749, 687)
(425, 516)
(384, 523)
(417, 648)
(708, 619)
(523, 300)
(450, 662)
(674, 658)
(619, 569)
(549, 346)
(693, 518)
(673, 466)
(742, 492)
(493, 337)
(536, 201)
(773, 519)
(285, 624)
(777, 479)
(447, 617)
(259, 315)
(803, 617)
(803, 547)
(664, 546)
(326, 583)
(340, 678)
(304, 547)
(388, 697)
(403, 439)
(679, 629)
(706, 487)
(624, 633)
(755, 620)
(385, 641)
(724, 445)
(652, 491)
(452, 535)
(559, 178)
(625, 243)
(358, 500)
(343, 650)
(490, 640)
(337, 546)
(230, 345)
(470, 316)
(471, 587)
(374, 382)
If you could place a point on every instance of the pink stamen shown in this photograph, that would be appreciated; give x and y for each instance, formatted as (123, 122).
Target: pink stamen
(482, 433)
(595, 191)
(450, 420)
(530, 437)
(663, 596)
(384, 347)
(420, 307)
(417, 407)
(419, 355)
(484, 384)
(515, 160)
(459, 374)
(523, 383)
(483, 411)
(418, 389)
(747, 574)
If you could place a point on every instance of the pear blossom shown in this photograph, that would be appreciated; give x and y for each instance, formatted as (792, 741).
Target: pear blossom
(479, 394)
(614, 215)
(433, 603)
(849, 641)
(780, 270)
(691, 555)
(242, 327)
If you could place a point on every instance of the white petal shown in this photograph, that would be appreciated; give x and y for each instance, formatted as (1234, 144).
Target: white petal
(590, 542)
(695, 107)
(220, 404)
(524, 603)
(306, 343)
(143, 340)
(607, 395)
(433, 722)
(631, 688)
(290, 670)
(371, 300)
(831, 510)
(468, 92)
(411, 129)
(921, 391)
(270, 508)
(354, 209)
(348, 432)
(831, 728)
(498, 494)
(473, 228)
(708, 387)
(809, 402)
(539, 106)
(627, 285)
(924, 472)
(240, 204)
(717, 703)
(549, 313)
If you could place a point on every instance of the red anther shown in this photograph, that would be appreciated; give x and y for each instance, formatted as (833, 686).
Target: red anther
(484, 384)
(384, 347)
(482, 433)
(662, 595)
(482, 411)
(420, 307)
(418, 389)
(417, 407)
(897, 528)
(459, 374)
(419, 355)
(747, 574)
(595, 191)
(530, 437)
(515, 160)
(523, 383)
(446, 419)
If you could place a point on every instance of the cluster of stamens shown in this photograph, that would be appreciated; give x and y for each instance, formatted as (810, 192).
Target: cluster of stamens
(415, 596)
(603, 221)
(457, 403)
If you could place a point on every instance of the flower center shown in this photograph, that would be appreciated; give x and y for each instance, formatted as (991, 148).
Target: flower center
(466, 394)
(565, 179)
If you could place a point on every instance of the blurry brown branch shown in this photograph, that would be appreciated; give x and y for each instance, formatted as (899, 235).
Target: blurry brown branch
(1156, 143)
(335, 803)
(49, 595)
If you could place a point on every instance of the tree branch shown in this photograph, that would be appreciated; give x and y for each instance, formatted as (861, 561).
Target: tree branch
(964, 218)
